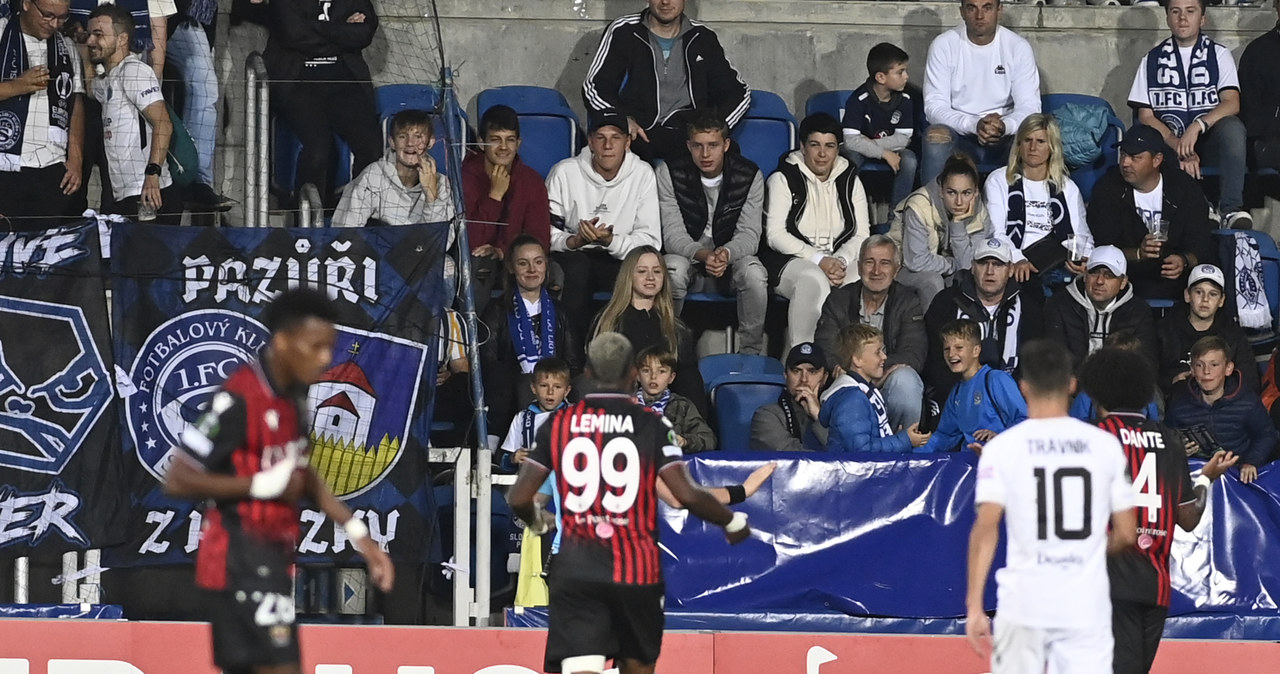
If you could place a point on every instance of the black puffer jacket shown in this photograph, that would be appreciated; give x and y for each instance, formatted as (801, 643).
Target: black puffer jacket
(1071, 319)
(1177, 336)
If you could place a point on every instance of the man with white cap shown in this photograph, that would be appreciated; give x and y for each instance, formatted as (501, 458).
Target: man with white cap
(987, 294)
(1200, 316)
(1098, 304)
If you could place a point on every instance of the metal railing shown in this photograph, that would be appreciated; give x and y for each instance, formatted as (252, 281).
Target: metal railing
(257, 141)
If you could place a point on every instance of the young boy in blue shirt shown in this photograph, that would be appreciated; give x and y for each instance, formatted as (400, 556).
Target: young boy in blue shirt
(880, 118)
(853, 410)
(983, 403)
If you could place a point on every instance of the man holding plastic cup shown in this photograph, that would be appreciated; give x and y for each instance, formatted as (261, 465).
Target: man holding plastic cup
(1159, 218)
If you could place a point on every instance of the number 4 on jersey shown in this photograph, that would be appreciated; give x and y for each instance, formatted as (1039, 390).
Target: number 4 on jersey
(1146, 488)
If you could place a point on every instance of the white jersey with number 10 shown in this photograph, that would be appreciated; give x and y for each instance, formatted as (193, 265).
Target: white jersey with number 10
(1058, 480)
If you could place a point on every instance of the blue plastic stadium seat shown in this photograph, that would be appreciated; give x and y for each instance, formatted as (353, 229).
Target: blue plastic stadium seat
(285, 150)
(1085, 177)
(767, 132)
(735, 404)
(548, 126)
(718, 367)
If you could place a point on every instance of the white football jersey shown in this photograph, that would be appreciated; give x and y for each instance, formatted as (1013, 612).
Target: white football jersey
(1058, 480)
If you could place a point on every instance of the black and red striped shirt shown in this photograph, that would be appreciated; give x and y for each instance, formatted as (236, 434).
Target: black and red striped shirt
(1161, 483)
(606, 452)
(248, 426)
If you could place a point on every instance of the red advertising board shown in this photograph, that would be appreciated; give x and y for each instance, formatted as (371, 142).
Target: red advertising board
(103, 647)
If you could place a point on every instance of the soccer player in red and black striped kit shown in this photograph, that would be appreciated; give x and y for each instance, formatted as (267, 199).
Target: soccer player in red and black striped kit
(248, 456)
(1122, 381)
(608, 454)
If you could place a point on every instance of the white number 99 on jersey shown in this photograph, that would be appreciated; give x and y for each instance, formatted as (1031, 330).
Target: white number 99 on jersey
(608, 476)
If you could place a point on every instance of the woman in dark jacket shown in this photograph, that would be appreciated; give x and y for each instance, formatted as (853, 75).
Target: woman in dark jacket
(518, 327)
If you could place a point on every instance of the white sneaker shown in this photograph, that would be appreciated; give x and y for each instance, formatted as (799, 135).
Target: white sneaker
(1214, 216)
(1239, 220)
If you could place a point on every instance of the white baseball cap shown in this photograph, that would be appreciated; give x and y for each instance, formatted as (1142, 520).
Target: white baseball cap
(995, 247)
(1111, 258)
(1207, 272)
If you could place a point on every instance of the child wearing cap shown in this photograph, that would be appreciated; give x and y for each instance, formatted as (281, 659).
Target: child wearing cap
(853, 410)
(791, 424)
(1201, 315)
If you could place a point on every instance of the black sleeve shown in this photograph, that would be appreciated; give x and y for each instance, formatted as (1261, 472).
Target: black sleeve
(1246, 363)
(540, 453)
(1179, 475)
(218, 432)
(1103, 213)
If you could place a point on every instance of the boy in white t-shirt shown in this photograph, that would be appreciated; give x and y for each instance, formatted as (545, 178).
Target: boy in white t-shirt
(550, 386)
(1060, 481)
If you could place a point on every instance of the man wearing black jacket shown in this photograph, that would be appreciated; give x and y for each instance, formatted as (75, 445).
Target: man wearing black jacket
(657, 66)
(1138, 192)
(321, 83)
(1202, 316)
(988, 295)
(1260, 97)
(1098, 305)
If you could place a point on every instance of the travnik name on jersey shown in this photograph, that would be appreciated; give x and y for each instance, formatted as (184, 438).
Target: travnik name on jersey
(1039, 446)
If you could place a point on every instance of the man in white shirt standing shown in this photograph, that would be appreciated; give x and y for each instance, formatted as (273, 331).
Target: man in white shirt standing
(41, 121)
(1060, 481)
(980, 82)
(135, 121)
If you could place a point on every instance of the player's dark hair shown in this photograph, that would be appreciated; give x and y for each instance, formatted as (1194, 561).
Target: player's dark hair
(406, 119)
(292, 308)
(1128, 339)
(499, 118)
(960, 164)
(962, 328)
(1046, 367)
(656, 352)
(820, 122)
(707, 121)
(884, 56)
(121, 20)
(1211, 343)
(1118, 379)
(551, 367)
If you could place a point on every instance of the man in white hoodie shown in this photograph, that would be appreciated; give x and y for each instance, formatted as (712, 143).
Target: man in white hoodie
(604, 204)
(980, 82)
(815, 221)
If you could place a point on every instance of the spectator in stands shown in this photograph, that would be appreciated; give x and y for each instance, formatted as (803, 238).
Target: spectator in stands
(1201, 316)
(987, 294)
(502, 197)
(657, 66)
(1033, 199)
(313, 59)
(939, 226)
(815, 218)
(404, 188)
(550, 385)
(791, 424)
(1260, 97)
(1097, 304)
(526, 326)
(980, 82)
(711, 202)
(641, 310)
(983, 402)
(453, 402)
(880, 118)
(135, 120)
(191, 53)
(603, 206)
(853, 409)
(1187, 88)
(41, 155)
(1083, 407)
(1216, 402)
(656, 370)
(894, 310)
(1131, 199)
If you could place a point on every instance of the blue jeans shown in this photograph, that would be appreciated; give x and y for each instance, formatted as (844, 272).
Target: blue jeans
(1223, 148)
(189, 51)
(903, 393)
(936, 154)
(904, 181)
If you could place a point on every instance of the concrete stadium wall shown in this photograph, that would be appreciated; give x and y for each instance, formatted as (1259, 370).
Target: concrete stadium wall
(794, 48)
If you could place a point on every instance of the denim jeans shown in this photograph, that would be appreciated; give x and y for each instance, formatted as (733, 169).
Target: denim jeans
(189, 51)
(904, 181)
(1223, 148)
(903, 393)
(936, 154)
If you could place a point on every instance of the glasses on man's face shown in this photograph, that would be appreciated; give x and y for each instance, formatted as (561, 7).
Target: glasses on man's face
(50, 17)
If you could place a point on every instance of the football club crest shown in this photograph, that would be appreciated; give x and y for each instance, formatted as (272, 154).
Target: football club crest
(362, 407)
(177, 370)
(48, 405)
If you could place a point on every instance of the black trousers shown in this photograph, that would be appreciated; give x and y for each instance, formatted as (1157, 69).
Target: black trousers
(585, 273)
(317, 111)
(1137, 629)
(31, 199)
(169, 213)
(665, 142)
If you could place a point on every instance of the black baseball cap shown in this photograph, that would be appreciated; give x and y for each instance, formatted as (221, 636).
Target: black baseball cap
(806, 352)
(608, 117)
(1142, 138)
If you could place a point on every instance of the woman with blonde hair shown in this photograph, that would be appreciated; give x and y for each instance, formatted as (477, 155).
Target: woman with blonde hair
(1033, 197)
(641, 309)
